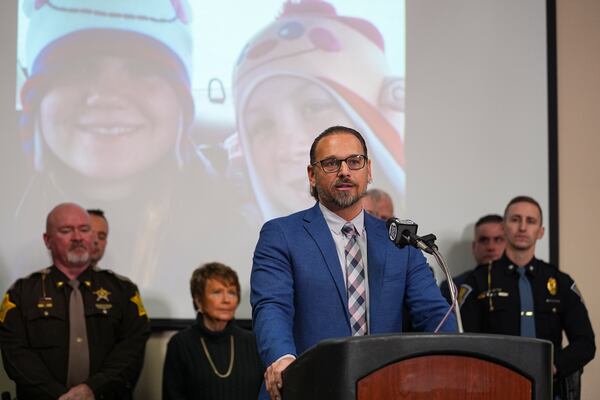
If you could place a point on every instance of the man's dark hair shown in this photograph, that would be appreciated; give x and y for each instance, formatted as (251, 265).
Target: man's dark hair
(525, 199)
(334, 130)
(490, 218)
(97, 212)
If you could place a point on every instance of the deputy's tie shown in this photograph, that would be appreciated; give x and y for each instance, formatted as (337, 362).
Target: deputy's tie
(79, 357)
(355, 280)
(527, 312)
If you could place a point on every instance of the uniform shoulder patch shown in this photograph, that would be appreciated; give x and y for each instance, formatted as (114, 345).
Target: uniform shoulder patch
(464, 292)
(575, 289)
(137, 300)
(5, 307)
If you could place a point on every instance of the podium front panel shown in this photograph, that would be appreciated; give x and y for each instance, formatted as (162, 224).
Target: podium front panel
(444, 377)
(332, 369)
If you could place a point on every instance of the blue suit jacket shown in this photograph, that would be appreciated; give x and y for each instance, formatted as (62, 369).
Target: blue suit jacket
(298, 294)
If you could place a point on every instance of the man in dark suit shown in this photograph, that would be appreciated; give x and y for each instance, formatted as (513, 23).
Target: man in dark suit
(330, 271)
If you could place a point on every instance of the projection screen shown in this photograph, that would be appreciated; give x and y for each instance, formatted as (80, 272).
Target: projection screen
(189, 123)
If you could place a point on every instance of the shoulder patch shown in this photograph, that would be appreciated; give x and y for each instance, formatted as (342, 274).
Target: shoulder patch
(575, 289)
(5, 307)
(137, 300)
(464, 292)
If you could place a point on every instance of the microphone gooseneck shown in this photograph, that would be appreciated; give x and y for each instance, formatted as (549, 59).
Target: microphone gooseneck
(404, 233)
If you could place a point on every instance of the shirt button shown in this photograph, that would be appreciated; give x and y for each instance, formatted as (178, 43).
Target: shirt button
(78, 339)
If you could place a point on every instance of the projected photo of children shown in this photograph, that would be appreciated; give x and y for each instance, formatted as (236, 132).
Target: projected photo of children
(107, 94)
(190, 124)
(107, 110)
(309, 69)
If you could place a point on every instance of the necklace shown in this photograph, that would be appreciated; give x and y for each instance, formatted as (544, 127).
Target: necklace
(212, 364)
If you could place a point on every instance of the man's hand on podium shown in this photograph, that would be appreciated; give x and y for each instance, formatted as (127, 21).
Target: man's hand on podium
(273, 381)
(79, 392)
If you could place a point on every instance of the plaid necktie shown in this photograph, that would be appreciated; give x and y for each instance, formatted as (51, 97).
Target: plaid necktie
(79, 353)
(355, 280)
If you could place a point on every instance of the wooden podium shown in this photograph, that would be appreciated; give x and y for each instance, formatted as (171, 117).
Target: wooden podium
(422, 366)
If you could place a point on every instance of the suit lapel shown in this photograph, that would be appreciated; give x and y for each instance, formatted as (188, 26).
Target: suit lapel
(376, 262)
(318, 229)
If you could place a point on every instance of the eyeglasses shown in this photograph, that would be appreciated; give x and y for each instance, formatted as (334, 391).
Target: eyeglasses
(331, 165)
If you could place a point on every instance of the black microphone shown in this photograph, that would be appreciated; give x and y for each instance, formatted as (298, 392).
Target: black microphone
(404, 233)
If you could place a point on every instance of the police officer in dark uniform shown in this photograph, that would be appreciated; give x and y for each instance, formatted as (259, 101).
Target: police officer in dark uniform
(524, 296)
(487, 245)
(72, 331)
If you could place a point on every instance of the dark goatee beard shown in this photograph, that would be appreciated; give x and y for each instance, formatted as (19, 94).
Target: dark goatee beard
(341, 200)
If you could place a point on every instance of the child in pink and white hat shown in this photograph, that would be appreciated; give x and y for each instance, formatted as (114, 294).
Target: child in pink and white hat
(310, 69)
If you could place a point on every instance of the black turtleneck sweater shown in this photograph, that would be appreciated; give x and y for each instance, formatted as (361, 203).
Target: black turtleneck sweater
(188, 374)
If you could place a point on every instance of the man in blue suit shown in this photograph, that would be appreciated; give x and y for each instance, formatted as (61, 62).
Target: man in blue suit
(331, 271)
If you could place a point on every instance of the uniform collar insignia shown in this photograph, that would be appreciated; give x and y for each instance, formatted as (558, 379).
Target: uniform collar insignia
(532, 268)
(575, 289)
(511, 267)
